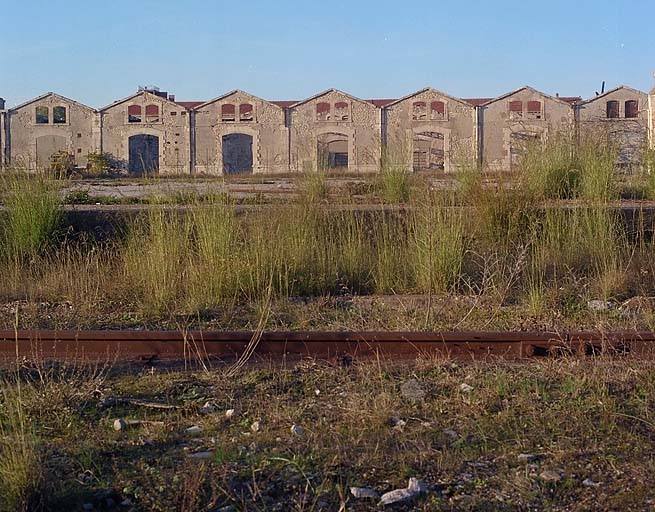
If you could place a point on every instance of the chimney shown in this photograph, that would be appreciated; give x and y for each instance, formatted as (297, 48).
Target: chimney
(171, 97)
(2, 103)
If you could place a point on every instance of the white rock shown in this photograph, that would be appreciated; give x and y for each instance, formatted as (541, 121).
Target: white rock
(120, 424)
(297, 430)
(588, 482)
(465, 388)
(363, 492)
(317, 392)
(194, 429)
(527, 457)
(412, 391)
(600, 305)
(255, 426)
(449, 432)
(414, 488)
(229, 413)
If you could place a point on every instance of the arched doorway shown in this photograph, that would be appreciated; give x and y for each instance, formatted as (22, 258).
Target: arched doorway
(332, 151)
(429, 152)
(237, 153)
(46, 146)
(143, 154)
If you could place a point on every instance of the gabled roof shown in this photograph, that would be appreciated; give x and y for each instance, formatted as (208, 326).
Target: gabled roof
(307, 100)
(47, 94)
(567, 101)
(235, 91)
(138, 93)
(610, 92)
(428, 89)
(476, 102)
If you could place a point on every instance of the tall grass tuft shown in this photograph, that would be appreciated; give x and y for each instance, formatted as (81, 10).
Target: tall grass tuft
(597, 169)
(438, 244)
(394, 176)
(32, 217)
(20, 464)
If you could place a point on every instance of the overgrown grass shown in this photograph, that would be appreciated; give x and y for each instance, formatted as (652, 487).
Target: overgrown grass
(32, 214)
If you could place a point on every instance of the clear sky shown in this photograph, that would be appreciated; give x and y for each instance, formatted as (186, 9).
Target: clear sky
(98, 51)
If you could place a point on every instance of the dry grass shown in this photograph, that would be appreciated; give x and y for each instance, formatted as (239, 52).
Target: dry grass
(584, 419)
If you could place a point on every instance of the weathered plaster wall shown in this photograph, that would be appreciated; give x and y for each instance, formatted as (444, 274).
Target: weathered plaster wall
(270, 136)
(629, 134)
(31, 144)
(498, 126)
(458, 127)
(651, 118)
(172, 129)
(362, 130)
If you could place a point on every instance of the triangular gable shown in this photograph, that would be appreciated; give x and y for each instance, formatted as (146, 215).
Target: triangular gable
(139, 93)
(53, 94)
(324, 93)
(236, 91)
(429, 89)
(619, 88)
(525, 87)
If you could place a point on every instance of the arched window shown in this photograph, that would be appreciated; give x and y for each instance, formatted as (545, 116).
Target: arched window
(245, 112)
(42, 115)
(419, 111)
(515, 109)
(228, 112)
(612, 109)
(322, 111)
(134, 114)
(631, 109)
(437, 110)
(59, 115)
(534, 110)
(152, 113)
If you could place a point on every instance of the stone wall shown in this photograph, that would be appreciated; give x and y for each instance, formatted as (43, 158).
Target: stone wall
(504, 131)
(353, 124)
(170, 126)
(430, 127)
(65, 125)
(263, 124)
(619, 117)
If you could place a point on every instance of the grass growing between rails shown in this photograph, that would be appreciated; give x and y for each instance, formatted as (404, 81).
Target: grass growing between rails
(513, 253)
(563, 434)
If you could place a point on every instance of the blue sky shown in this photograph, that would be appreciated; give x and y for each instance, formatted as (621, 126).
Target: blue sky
(98, 51)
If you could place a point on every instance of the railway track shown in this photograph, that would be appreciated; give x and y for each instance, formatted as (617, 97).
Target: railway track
(345, 346)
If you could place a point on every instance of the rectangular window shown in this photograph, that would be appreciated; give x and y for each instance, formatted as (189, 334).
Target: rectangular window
(59, 115)
(134, 114)
(631, 109)
(612, 109)
(515, 109)
(534, 110)
(228, 113)
(42, 115)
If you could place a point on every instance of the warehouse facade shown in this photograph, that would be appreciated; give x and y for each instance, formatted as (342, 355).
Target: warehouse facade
(426, 131)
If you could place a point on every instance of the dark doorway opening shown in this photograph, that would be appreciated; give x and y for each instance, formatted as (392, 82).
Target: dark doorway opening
(143, 154)
(332, 151)
(429, 152)
(237, 153)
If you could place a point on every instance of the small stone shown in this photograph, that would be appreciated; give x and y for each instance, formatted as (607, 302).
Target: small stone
(588, 482)
(414, 488)
(194, 429)
(87, 506)
(465, 388)
(412, 391)
(363, 492)
(201, 455)
(399, 424)
(317, 392)
(208, 408)
(120, 425)
(127, 502)
(229, 413)
(228, 508)
(527, 457)
(550, 476)
(255, 427)
(297, 430)
(600, 305)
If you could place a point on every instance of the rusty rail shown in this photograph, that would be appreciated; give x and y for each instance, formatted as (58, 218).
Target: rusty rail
(344, 345)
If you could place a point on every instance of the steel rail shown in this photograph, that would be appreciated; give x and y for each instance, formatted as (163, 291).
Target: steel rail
(341, 345)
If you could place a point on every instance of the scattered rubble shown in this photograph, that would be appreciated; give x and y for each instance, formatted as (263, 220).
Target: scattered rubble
(414, 488)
